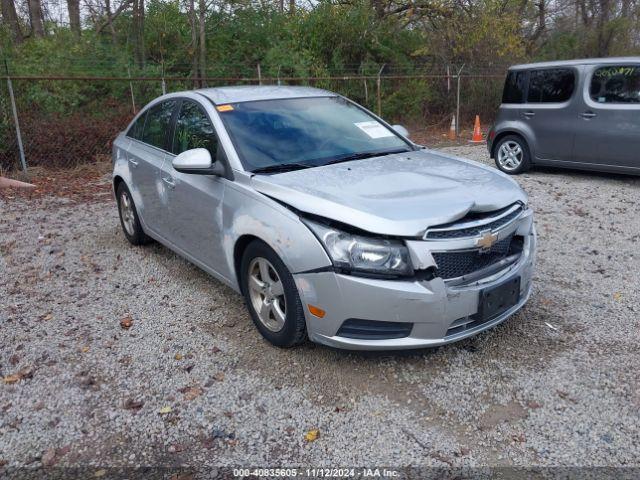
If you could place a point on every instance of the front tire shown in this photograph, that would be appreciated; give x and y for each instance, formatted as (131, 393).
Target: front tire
(129, 219)
(512, 155)
(271, 296)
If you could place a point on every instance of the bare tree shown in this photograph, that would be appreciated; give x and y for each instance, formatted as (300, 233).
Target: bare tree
(73, 6)
(194, 41)
(10, 16)
(203, 40)
(138, 31)
(36, 17)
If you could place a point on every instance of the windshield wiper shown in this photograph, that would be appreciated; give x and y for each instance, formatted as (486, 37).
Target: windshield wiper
(363, 155)
(281, 167)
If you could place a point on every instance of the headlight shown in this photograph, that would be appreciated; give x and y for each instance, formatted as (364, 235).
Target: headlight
(364, 254)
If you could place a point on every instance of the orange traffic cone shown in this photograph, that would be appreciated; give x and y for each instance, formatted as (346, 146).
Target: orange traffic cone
(452, 129)
(477, 134)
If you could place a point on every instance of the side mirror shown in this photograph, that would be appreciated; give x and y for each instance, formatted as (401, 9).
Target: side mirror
(197, 161)
(401, 130)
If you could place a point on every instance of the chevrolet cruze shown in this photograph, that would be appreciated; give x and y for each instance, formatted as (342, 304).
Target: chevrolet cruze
(331, 223)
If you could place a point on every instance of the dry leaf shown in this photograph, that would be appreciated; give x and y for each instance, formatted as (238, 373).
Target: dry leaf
(85, 349)
(178, 356)
(192, 392)
(617, 296)
(165, 410)
(127, 322)
(26, 372)
(312, 435)
(219, 377)
(100, 473)
(132, 404)
(9, 379)
(46, 317)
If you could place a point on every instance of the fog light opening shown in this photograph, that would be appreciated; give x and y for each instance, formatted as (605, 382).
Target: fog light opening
(316, 311)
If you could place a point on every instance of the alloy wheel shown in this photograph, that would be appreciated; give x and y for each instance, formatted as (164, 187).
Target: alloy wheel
(510, 155)
(126, 212)
(267, 294)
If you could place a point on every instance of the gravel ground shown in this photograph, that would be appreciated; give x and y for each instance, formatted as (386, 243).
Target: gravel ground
(192, 383)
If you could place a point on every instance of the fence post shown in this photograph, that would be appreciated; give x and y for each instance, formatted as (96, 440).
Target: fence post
(378, 84)
(14, 110)
(458, 102)
(133, 100)
(259, 75)
(164, 84)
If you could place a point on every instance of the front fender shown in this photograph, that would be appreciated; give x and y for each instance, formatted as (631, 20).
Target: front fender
(251, 213)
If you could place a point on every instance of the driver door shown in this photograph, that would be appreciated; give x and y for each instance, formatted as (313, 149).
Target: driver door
(194, 222)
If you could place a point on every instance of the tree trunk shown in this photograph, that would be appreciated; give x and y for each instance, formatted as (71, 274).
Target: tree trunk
(203, 42)
(74, 16)
(11, 17)
(292, 7)
(107, 7)
(36, 17)
(138, 31)
(194, 43)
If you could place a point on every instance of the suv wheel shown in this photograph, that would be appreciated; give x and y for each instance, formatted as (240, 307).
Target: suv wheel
(271, 296)
(129, 219)
(512, 155)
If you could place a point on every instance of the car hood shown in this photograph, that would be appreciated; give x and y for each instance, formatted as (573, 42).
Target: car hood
(400, 195)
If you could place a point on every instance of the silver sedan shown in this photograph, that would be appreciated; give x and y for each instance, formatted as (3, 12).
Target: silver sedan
(331, 223)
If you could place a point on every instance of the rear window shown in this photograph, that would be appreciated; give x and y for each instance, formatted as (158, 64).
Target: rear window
(550, 85)
(616, 84)
(136, 129)
(157, 124)
(514, 87)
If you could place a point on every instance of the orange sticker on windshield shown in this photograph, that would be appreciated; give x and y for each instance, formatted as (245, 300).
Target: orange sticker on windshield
(224, 108)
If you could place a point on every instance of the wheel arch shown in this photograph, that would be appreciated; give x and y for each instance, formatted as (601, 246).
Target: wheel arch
(507, 132)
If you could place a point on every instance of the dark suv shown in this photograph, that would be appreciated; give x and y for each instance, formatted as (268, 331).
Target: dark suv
(575, 114)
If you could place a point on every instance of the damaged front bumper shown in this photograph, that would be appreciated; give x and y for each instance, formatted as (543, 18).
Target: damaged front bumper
(379, 314)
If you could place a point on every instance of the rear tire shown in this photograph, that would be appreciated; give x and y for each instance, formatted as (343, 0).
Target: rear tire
(512, 155)
(271, 296)
(129, 219)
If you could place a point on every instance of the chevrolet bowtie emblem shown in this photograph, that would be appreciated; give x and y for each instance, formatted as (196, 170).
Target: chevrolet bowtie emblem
(487, 240)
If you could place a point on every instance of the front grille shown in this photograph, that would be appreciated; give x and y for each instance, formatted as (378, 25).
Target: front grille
(450, 231)
(374, 330)
(458, 263)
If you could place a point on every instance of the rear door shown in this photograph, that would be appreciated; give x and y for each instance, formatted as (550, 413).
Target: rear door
(608, 124)
(548, 111)
(194, 223)
(146, 155)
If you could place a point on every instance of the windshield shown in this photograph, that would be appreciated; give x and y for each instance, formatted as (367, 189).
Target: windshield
(305, 131)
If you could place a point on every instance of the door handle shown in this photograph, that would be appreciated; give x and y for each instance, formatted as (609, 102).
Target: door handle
(588, 115)
(133, 162)
(169, 181)
(529, 114)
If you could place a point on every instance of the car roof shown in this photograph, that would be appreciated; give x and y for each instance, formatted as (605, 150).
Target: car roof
(582, 61)
(249, 93)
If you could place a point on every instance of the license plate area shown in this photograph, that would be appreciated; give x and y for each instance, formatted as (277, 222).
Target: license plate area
(497, 300)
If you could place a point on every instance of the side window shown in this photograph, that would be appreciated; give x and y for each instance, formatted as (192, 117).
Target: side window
(194, 130)
(514, 87)
(551, 85)
(157, 124)
(616, 84)
(136, 129)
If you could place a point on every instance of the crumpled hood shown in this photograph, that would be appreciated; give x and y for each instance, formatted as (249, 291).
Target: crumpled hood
(401, 194)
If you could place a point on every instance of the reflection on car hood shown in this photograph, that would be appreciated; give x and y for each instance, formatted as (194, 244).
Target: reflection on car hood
(401, 194)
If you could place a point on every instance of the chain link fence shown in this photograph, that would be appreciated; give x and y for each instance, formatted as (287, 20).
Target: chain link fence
(68, 121)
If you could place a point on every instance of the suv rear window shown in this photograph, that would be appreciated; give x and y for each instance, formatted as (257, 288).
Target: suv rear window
(514, 87)
(551, 85)
(616, 84)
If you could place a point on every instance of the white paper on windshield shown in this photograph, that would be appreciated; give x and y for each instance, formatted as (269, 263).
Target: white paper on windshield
(374, 129)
